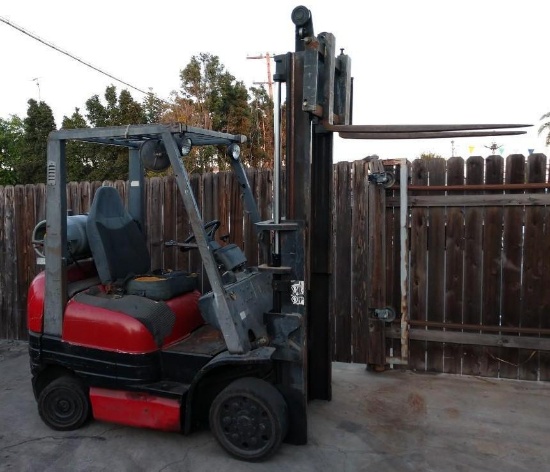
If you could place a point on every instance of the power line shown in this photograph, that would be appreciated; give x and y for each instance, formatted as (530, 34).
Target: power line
(72, 56)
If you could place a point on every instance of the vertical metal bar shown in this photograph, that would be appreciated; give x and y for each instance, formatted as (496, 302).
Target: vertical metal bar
(55, 244)
(135, 191)
(329, 62)
(318, 317)
(342, 92)
(277, 167)
(294, 246)
(403, 220)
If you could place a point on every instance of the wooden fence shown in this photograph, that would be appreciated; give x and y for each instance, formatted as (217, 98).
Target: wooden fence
(479, 266)
(478, 262)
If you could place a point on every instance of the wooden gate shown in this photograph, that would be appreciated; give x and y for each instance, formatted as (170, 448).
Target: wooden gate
(359, 265)
(479, 266)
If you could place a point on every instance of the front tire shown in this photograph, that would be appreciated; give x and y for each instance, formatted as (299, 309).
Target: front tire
(64, 404)
(249, 418)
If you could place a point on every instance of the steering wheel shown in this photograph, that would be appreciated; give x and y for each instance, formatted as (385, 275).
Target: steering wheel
(210, 229)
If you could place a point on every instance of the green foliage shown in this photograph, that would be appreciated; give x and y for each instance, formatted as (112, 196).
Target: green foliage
(153, 108)
(96, 162)
(39, 122)
(11, 145)
(81, 157)
(429, 155)
(259, 149)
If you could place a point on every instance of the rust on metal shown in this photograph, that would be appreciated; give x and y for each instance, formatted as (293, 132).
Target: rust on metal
(206, 340)
(475, 327)
(526, 186)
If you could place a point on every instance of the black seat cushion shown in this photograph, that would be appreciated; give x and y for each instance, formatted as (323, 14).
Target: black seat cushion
(120, 251)
(118, 246)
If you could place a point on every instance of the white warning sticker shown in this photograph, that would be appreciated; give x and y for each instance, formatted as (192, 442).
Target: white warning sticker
(297, 292)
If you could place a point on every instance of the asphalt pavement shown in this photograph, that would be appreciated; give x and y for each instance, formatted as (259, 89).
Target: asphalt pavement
(381, 422)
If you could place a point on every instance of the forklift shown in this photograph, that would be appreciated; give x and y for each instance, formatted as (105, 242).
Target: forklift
(114, 340)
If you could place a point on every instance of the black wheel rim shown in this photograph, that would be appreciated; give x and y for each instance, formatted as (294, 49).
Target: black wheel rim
(246, 425)
(62, 407)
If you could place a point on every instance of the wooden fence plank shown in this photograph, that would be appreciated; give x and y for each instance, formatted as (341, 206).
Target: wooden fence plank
(4, 326)
(532, 308)
(454, 267)
(359, 287)
(209, 197)
(473, 234)
(9, 271)
(512, 266)
(170, 193)
(376, 258)
(23, 207)
(436, 266)
(528, 199)
(223, 200)
(544, 297)
(250, 240)
(236, 213)
(342, 225)
(492, 270)
(39, 215)
(393, 258)
(122, 187)
(505, 342)
(195, 263)
(154, 230)
(418, 308)
(85, 197)
(264, 199)
(182, 232)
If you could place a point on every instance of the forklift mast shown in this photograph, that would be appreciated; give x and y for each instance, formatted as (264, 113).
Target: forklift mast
(318, 91)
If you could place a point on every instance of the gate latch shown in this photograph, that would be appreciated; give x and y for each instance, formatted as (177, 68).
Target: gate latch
(385, 314)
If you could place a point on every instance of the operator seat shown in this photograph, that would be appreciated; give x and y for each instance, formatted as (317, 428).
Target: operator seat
(120, 252)
(132, 310)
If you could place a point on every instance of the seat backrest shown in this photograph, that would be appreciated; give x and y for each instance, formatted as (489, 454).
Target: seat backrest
(118, 246)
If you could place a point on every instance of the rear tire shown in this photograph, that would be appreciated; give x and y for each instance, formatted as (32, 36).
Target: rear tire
(64, 404)
(249, 418)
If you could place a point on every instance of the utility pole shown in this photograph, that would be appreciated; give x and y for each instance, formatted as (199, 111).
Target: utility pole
(267, 56)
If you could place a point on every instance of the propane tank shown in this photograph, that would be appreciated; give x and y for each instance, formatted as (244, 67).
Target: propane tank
(77, 239)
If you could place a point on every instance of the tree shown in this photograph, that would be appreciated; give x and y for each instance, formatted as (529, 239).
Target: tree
(11, 143)
(545, 127)
(429, 155)
(98, 162)
(153, 108)
(210, 97)
(81, 157)
(260, 137)
(39, 122)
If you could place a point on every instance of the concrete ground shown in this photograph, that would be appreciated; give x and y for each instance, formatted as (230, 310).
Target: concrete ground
(394, 421)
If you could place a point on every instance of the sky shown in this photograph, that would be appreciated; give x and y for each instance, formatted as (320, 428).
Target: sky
(413, 62)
